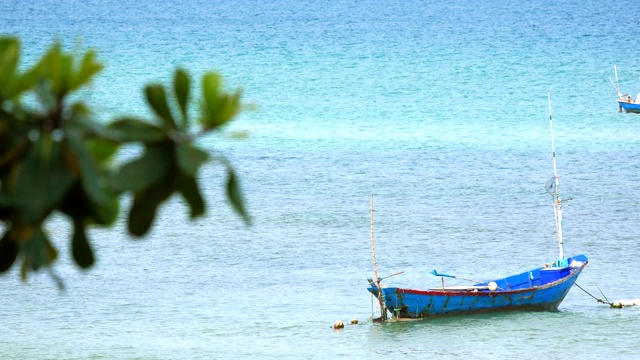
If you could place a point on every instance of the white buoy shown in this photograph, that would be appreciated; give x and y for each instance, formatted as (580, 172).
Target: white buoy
(624, 303)
(493, 286)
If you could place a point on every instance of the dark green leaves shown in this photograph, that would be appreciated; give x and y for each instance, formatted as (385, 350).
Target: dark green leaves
(235, 195)
(80, 248)
(157, 99)
(63, 74)
(38, 181)
(57, 158)
(190, 158)
(190, 191)
(144, 171)
(171, 162)
(8, 252)
(146, 203)
(103, 201)
(133, 130)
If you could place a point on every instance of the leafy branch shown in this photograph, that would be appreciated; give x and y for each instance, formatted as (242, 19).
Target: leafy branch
(56, 158)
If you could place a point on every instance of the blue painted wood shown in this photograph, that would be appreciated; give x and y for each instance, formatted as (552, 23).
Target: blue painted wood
(629, 107)
(538, 289)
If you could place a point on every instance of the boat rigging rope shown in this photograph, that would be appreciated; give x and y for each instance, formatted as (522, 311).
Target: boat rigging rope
(598, 300)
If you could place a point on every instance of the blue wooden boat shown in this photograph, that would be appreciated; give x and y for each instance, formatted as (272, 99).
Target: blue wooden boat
(625, 102)
(628, 106)
(540, 289)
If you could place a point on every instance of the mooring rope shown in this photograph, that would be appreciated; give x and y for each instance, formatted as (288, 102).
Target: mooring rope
(603, 295)
(598, 300)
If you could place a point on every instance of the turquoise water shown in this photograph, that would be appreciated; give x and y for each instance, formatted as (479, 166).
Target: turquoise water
(438, 108)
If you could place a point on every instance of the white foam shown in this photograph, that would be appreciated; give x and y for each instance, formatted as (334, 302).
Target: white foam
(626, 302)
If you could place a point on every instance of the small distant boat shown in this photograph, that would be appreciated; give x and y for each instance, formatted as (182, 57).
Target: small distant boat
(625, 102)
(540, 289)
(628, 106)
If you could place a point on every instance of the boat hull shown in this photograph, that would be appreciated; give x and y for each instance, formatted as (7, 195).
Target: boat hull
(541, 289)
(629, 107)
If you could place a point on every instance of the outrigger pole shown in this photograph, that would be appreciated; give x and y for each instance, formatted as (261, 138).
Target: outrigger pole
(616, 85)
(557, 202)
(383, 307)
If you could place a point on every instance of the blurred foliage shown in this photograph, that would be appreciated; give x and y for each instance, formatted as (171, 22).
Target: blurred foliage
(56, 157)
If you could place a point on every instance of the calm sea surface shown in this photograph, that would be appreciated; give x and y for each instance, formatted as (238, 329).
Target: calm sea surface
(438, 107)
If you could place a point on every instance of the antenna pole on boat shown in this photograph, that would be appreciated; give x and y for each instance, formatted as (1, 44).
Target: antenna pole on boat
(383, 307)
(557, 202)
(617, 83)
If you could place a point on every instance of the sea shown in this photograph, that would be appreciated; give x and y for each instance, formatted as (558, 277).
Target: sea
(440, 109)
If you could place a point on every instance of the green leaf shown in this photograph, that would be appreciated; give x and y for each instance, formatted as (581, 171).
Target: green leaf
(106, 213)
(190, 158)
(23, 82)
(102, 149)
(75, 203)
(235, 195)
(144, 171)
(52, 69)
(135, 130)
(8, 252)
(145, 205)
(16, 150)
(88, 69)
(181, 87)
(59, 70)
(89, 172)
(211, 84)
(93, 134)
(46, 94)
(188, 188)
(219, 108)
(104, 202)
(80, 248)
(78, 207)
(9, 55)
(231, 106)
(5, 209)
(78, 119)
(157, 99)
(40, 181)
(66, 75)
(37, 250)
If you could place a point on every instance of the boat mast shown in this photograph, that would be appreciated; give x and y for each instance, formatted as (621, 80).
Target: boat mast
(383, 307)
(616, 85)
(557, 202)
(615, 70)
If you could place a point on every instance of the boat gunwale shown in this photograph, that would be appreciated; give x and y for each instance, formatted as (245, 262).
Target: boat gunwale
(436, 292)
